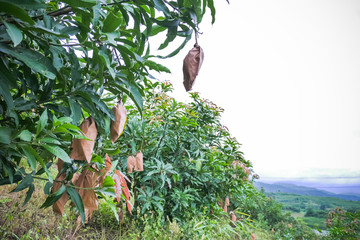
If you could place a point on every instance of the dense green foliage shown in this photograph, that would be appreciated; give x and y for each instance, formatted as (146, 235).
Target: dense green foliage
(343, 224)
(62, 61)
(189, 157)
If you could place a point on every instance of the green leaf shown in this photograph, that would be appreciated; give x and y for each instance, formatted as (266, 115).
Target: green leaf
(14, 33)
(49, 140)
(47, 187)
(212, 9)
(58, 152)
(176, 51)
(157, 29)
(42, 122)
(110, 151)
(106, 60)
(28, 4)
(15, 11)
(25, 135)
(8, 180)
(29, 194)
(5, 135)
(136, 97)
(81, 3)
(111, 23)
(26, 182)
(34, 60)
(29, 154)
(4, 91)
(76, 199)
(75, 111)
(113, 208)
(156, 66)
(160, 6)
(41, 29)
(52, 198)
(108, 182)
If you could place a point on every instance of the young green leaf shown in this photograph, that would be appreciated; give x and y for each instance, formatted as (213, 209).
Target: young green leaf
(14, 33)
(5, 93)
(52, 198)
(111, 23)
(76, 199)
(5, 135)
(29, 194)
(25, 135)
(30, 157)
(58, 152)
(75, 111)
(26, 182)
(49, 140)
(32, 59)
(42, 122)
(16, 11)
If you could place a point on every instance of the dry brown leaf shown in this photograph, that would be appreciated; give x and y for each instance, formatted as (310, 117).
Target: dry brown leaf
(139, 162)
(117, 126)
(131, 163)
(82, 149)
(191, 66)
(118, 188)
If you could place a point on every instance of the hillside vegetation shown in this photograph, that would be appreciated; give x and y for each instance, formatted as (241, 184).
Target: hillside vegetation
(302, 190)
(307, 205)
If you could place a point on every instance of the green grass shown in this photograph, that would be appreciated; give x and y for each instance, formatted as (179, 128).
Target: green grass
(32, 222)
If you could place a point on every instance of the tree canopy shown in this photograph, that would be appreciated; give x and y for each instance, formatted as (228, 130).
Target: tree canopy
(64, 61)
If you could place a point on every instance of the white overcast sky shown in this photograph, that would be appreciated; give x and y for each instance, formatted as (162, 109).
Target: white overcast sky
(287, 73)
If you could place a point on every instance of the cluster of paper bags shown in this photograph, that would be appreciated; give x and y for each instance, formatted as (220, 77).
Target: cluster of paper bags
(91, 177)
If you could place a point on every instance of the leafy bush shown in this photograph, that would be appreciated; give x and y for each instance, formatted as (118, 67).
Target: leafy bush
(343, 224)
(190, 160)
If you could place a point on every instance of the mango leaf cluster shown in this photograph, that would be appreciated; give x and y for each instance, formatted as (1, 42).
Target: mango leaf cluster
(189, 157)
(62, 61)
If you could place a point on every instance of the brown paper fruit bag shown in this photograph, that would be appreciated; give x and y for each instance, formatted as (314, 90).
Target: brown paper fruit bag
(59, 205)
(233, 217)
(227, 202)
(191, 66)
(88, 179)
(117, 126)
(131, 163)
(82, 149)
(139, 162)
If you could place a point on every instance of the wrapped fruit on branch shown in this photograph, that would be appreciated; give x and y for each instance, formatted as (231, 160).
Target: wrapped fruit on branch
(135, 163)
(117, 127)
(191, 66)
(82, 149)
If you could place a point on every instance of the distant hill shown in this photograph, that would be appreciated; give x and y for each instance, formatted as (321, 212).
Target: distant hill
(301, 190)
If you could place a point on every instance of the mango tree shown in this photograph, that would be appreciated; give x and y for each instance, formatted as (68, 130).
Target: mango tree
(64, 61)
